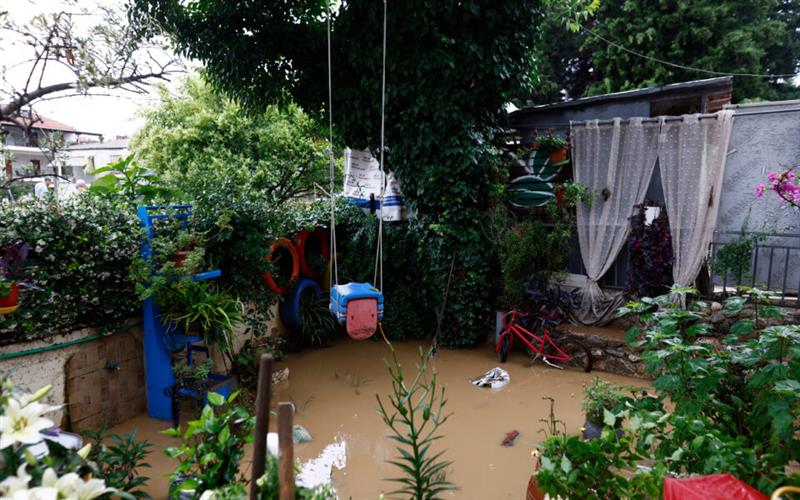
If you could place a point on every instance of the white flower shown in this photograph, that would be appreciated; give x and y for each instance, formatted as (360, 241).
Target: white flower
(16, 488)
(15, 483)
(38, 493)
(22, 424)
(71, 487)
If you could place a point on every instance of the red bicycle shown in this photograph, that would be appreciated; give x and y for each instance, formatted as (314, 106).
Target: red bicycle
(554, 352)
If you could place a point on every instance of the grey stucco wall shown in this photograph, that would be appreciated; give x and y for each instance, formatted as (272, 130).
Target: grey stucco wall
(760, 144)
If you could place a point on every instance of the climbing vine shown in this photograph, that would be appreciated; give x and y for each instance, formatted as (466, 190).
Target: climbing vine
(451, 66)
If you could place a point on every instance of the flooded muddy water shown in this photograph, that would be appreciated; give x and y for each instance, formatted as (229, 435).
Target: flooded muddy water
(334, 391)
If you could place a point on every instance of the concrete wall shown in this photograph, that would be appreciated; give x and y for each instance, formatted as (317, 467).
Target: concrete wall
(759, 144)
(84, 375)
(34, 371)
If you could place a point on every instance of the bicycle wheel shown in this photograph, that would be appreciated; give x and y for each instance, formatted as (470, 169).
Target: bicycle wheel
(580, 358)
(505, 346)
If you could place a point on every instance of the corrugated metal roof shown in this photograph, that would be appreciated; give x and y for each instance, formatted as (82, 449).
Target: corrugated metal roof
(708, 83)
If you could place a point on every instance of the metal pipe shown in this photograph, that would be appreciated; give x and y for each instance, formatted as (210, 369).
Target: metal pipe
(679, 118)
(39, 350)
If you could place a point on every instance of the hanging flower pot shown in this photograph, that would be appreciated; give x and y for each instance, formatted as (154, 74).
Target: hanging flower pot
(179, 258)
(558, 190)
(10, 302)
(558, 155)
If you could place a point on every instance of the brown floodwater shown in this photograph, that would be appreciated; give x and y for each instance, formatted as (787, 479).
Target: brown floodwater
(334, 390)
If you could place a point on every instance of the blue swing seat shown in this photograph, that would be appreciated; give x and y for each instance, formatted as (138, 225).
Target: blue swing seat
(364, 304)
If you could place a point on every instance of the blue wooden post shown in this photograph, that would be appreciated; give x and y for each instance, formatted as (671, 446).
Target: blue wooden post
(158, 365)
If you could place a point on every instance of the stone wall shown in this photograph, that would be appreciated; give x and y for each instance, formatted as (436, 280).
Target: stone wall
(45, 361)
(611, 354)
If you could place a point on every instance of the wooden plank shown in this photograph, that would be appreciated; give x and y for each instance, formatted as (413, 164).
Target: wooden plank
(262, 421)
(286, 447)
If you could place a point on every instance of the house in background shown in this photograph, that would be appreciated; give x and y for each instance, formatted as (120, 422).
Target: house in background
(84, 157)
(764, 138)
(26, 146)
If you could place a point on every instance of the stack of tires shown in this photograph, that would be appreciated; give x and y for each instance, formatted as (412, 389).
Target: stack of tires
(299, 267)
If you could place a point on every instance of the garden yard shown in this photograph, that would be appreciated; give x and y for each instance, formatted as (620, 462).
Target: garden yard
(335, 230)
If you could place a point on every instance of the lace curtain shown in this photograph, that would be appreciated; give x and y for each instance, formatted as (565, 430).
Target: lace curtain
(692, 154)
(616, 162)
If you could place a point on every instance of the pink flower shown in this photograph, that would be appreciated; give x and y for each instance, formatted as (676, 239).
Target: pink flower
(760, 190)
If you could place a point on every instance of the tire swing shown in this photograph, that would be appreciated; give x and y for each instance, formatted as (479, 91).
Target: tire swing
(358, 306)
(284, 256)
(290, 306)
(312, 245)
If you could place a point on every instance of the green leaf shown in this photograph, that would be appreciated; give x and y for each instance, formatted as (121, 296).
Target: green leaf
(788, 387)
(609, 418)
(547, 464)
(566, 464)
(104, 184)
(216, 399)
(676, 455)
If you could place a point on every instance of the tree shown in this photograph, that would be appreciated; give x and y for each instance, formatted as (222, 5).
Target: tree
(65, 56)
(725, 36)
(452, 66)
(200, 134)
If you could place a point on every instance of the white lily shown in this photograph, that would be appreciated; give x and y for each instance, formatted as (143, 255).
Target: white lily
(19, 482)
(22, 424)
(16, 488)
(38, 493)
(93, 488)
(70, 486)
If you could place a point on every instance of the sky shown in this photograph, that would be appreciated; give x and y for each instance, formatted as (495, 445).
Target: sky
(111, 116)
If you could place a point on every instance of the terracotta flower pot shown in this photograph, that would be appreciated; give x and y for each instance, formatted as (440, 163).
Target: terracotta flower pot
(558, 155)
(10, 302)
(534, 492)
(12, 299)
(179, 258)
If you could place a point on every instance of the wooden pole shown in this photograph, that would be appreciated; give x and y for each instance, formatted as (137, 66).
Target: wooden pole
(262, 421)
(286, 446)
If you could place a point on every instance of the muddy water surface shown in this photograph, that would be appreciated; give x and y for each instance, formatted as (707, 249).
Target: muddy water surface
(334, 392)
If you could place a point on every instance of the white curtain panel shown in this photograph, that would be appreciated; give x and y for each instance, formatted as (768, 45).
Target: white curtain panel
(616, 159)
(692, 154)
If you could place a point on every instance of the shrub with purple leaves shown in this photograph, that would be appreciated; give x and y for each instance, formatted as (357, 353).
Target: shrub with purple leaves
(650, 254)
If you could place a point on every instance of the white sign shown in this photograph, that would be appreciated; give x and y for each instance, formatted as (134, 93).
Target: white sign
(362, 185)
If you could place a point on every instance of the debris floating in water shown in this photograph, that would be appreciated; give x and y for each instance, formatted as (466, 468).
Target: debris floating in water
(300, 434)
(280, 376)
(494, 378)
(510, 437)
(318, 471)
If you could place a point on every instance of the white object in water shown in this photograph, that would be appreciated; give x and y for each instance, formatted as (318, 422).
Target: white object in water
(272, 444)
(494, 378)
(317, 472)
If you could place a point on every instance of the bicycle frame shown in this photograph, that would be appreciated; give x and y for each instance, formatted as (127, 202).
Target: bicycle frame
(512, 329)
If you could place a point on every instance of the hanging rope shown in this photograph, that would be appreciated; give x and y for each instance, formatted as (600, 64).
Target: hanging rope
(333, 270)
(379, 251)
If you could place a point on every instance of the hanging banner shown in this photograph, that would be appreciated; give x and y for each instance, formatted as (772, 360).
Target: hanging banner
(362, 186)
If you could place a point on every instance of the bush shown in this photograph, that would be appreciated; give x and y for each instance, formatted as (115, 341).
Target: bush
(80, 253)
(735, 406)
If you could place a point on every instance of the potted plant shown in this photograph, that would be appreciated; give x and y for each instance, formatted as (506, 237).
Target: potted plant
(186, 247)
(214, 312)
(194, 376)
(555, 145)
(599, 397)
(12, 267)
